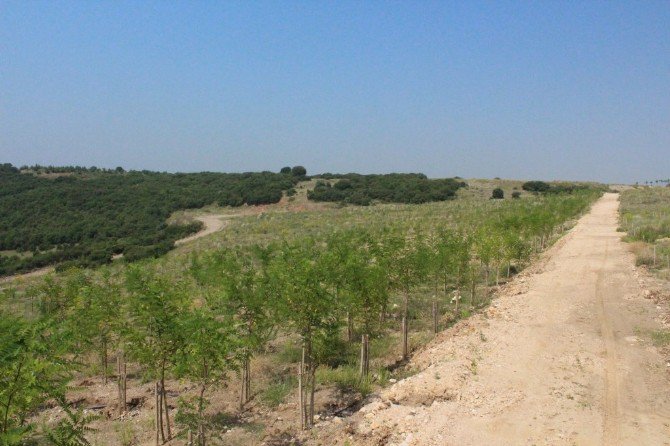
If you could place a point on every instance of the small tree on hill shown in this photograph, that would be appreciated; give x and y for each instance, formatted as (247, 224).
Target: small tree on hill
(298, 171)
(498, 194)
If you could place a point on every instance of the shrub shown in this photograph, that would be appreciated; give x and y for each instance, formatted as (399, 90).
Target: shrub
(497, 194)
(536, 186)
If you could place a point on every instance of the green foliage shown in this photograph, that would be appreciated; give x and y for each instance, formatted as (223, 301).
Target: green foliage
(155, 314)
(536, 186)
(298, 171)
(346, 379)
(34, 368)
(86, 216)
(71, 430)
(498, 194)
(391, 188)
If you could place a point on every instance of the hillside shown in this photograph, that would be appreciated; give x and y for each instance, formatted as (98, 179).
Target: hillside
(86, 216)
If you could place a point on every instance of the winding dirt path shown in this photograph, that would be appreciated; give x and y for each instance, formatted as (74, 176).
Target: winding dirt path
(212, 224)
(562, 357)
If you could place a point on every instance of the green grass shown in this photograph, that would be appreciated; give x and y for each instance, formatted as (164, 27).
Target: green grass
(276, 392)
(645, 216)
(660, 338)
(346, 378)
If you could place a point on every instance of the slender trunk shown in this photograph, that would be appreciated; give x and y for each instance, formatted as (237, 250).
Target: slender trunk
(245, 381)
(121, 380)
(435, 305)
(365, 359)
(654, 256)
(350, 327)
(167, 410)
(473, 289)
(508, 268)
(157, 413)
(405, 327)
(190, 438)
(160, 411)
(104, 361)
(301, 393)
(201, 409)
(312, 379)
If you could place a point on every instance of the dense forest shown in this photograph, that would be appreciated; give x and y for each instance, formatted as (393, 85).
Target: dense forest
(390, 188)
(84, 216)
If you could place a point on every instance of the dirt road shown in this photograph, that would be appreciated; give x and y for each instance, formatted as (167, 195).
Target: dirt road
(563, 357)
(212, 224)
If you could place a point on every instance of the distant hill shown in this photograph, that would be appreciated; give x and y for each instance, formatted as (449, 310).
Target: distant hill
(83, 216)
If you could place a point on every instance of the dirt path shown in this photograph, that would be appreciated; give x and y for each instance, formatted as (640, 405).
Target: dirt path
(212, 224)
(561, 358)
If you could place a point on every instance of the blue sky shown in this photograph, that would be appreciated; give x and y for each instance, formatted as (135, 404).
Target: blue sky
(546, 89)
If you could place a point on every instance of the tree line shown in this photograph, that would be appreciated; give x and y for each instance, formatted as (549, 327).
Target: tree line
(389, 188)
(205, 319)
(87, 216)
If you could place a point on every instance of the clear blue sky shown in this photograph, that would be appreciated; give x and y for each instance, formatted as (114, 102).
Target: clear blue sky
(542, 89)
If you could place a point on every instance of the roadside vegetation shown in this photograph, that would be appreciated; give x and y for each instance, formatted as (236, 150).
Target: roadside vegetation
(645, 216)
(276, 313)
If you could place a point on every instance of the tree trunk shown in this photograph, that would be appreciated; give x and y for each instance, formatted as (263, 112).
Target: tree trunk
(245, 381)
(121, 380)
(365, 359)
(167, 413)
(405, 326)
(312, 386)
(436, 317)
(201, 409)
(157, 413)
(473, 290)
(104, 361)
(301, 393)
(350, 327)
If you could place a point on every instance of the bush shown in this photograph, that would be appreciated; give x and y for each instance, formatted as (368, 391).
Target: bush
(498, 194)
(516, 194)
(391, 188)
(298, 171)
(536, 186)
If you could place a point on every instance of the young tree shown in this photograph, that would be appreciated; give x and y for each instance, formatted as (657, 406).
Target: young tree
(155, 308)
(211, 349)
(298, 277)
(34, 368)
(238, 286)
(366, 281)
(405, 262)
